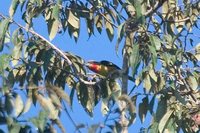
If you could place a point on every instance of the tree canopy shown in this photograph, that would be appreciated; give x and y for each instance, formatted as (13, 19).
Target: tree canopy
(161, 52)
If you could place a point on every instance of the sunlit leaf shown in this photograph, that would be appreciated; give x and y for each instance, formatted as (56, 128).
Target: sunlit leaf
(164, 120)
(53, 28)
(73, 20)
(62, 94)
(54, 23)
(181, 24)
(55, 99)
(27, 105)
(13, 7)
(18, 105)
(155, 41)
(153, 74)
(147, 83)
(197, 51)
(98, 20)
(48, 106)
(192, 82)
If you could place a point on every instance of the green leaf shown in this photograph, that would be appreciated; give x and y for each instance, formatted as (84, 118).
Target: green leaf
(13, 7)
(18, 105)
(138, 8)
(86, 97)
(9, 104)
(153, 128)
(17, 41)
(151, 105)
(179, 97)
(93, 128)
(72, 96)
(3, 29)
(55, 12)
(143, 108)
(192, 82)
(14, 128)
(90, 26)
(120, 34)
(98, 20)
(155, 41)
(40, 121)
(109, 27)
(164, 120)
(104, 106)
(154, 54)
(197, 52)
(4, 59)
(161, 109)
(48, 106)
(135, 58)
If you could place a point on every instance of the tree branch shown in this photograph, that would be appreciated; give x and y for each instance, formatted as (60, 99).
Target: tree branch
(41, 37)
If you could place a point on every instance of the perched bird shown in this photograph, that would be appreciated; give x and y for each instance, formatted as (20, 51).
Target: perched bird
(103, 68)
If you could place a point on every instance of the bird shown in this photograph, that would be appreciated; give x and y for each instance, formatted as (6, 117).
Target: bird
(104, 68)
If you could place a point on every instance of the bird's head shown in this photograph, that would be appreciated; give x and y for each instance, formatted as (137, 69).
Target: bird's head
(103, 67)
(93, 66)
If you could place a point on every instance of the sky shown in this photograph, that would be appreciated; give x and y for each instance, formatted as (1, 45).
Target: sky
(97, 47)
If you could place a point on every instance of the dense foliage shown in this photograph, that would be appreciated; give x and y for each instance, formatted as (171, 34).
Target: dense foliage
(160, 49)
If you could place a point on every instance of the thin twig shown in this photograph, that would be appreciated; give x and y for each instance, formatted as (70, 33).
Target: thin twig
(108, 20)
(106, 118)
(67, 112)
(178, 21)
(41, 37)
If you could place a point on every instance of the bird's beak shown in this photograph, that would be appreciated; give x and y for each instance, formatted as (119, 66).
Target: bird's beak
(87, 64)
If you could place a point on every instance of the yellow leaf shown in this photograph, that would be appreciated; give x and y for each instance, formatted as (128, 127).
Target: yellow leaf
(147, 82)
(153, 74)
(164, 120)
(13, 7)
(19, 105)
(27, 105)
(192, 82)
(73, 20)
(53, 29)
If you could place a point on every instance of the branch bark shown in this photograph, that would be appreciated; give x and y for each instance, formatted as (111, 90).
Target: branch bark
(41, 37)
